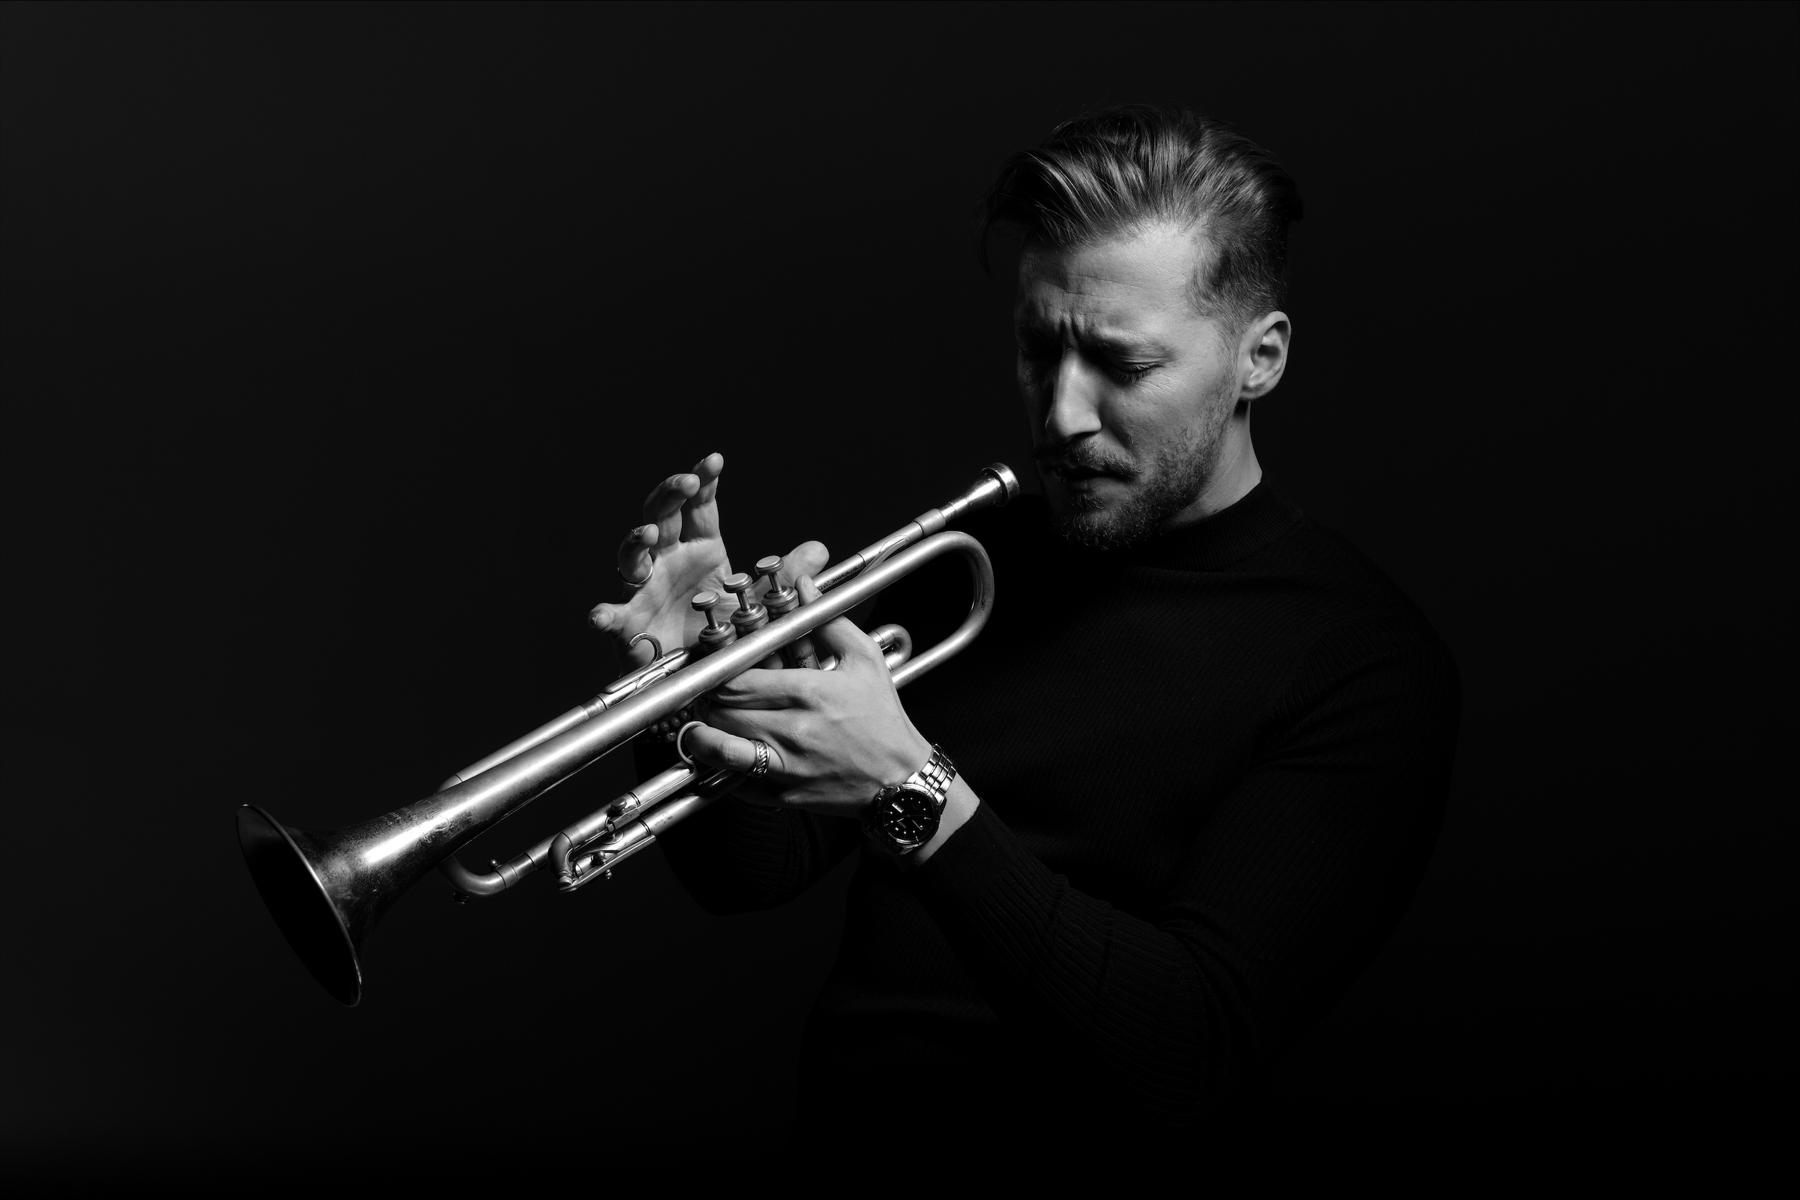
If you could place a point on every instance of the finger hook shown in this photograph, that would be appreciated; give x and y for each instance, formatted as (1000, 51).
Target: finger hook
(683, 754)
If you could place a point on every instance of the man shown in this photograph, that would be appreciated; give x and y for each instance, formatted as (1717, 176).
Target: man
(1162, 814)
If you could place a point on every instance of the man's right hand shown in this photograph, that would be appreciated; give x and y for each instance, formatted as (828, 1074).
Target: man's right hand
(676, 552)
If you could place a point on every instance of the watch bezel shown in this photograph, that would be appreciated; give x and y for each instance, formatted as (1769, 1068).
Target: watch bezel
(928, 806)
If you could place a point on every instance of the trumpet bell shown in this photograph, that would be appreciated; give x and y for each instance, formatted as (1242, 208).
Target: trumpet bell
(314, 898)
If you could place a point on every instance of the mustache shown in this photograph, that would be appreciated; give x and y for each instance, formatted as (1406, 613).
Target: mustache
(1082, 460)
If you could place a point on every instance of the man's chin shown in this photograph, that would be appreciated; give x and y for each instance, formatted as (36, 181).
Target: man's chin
(1087, 522)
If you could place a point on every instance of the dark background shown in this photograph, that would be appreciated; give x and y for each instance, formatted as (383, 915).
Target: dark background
(342, 343)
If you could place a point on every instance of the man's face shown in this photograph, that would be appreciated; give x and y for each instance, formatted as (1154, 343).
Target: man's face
(1129, 390)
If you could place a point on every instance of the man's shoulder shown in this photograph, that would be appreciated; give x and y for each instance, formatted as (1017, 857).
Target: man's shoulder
(1339, 568)
(1345, 594)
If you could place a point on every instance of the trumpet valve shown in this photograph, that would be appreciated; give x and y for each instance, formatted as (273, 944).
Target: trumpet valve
(749, 616)
(717, 634)
(781, 599)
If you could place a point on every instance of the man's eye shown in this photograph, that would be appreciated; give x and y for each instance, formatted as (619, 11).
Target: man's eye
(1133, 371)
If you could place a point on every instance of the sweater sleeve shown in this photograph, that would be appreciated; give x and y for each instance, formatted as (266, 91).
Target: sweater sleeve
(1294, 881)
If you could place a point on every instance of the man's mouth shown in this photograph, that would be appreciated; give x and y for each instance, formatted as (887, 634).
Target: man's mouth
(1073, 473)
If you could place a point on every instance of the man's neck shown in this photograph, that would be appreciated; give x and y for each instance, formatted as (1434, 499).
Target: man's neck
(1237, 473)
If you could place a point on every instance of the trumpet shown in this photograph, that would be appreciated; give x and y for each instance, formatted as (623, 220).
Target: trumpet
(326, 891)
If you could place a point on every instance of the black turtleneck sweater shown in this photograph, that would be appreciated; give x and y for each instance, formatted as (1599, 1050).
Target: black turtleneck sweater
(1210, 771)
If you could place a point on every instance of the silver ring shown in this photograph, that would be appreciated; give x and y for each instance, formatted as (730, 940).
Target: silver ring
(680, 753)
(762, 759)
(634, 584)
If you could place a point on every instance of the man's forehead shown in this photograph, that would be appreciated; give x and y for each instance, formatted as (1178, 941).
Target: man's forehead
(1120, 282)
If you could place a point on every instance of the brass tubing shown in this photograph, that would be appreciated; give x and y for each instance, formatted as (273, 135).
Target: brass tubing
(646, 795)
(327, 890)
(623, 686)
(444, 822)
(996, 487)
(896, 646)
(572, 846)
(578, 867)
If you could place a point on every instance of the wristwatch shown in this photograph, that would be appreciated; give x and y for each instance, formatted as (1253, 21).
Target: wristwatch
(904, 816)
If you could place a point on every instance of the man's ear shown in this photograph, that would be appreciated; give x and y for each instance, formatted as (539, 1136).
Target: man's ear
(1263, 354)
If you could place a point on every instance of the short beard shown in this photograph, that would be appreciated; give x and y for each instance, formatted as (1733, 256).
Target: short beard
(1175, 479)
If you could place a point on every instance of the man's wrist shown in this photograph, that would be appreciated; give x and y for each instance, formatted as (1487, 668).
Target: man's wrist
(960, 803)
(912, 757)
(905, 816)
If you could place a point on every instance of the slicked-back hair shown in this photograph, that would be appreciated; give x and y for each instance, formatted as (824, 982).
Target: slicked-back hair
(1118, 171)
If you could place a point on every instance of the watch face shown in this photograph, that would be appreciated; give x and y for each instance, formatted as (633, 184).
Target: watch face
(905, 816)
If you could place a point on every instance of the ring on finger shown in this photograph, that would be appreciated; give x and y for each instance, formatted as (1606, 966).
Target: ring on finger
(761, 766)
(634, 584)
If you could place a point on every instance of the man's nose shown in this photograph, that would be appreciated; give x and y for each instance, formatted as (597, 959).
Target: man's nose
(1074, 402)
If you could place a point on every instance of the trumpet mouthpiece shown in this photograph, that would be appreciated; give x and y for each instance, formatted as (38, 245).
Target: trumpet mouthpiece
(1003, 475)
(993, 488)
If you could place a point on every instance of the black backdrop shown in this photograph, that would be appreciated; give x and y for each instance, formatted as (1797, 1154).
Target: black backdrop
(343, 341)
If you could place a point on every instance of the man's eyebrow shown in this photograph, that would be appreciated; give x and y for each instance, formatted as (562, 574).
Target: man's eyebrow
(1116, 341)
(1120, 342)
